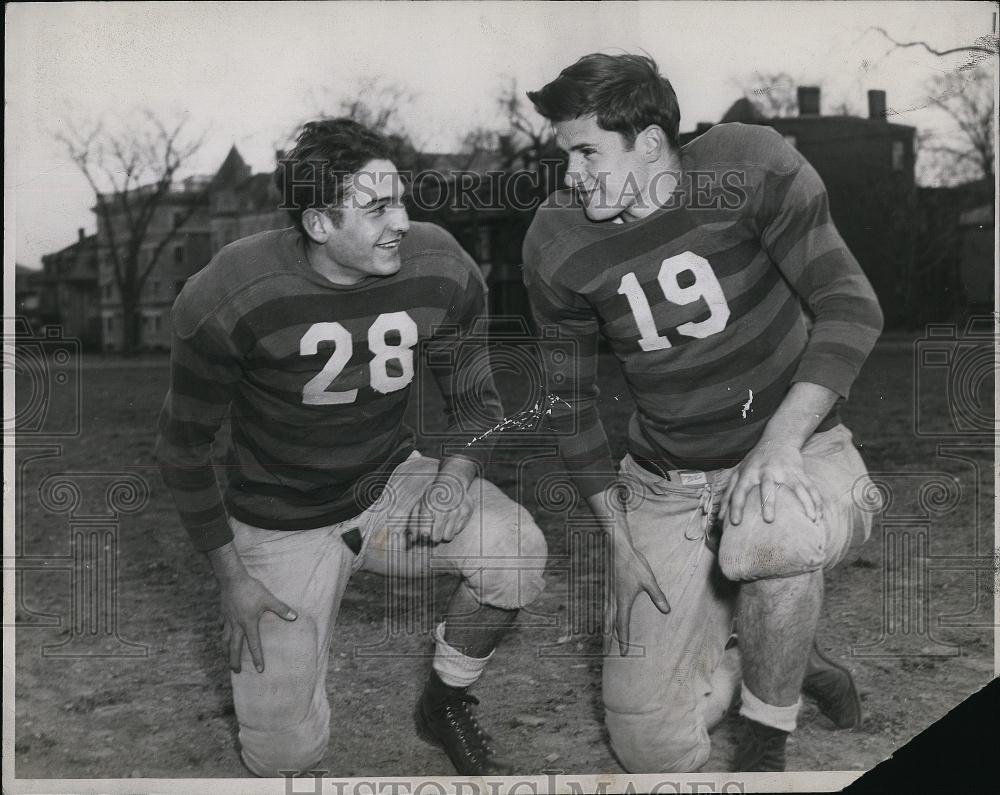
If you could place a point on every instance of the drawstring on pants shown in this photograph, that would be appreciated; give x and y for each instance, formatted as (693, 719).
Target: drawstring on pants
(703, 515)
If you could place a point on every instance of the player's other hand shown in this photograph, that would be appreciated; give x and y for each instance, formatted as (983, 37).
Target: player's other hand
(441, 513)
(768, 467)
(631, 576)
(244, 601)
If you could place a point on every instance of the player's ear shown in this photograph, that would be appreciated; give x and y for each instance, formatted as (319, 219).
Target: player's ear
(652, 143)
(316, 225)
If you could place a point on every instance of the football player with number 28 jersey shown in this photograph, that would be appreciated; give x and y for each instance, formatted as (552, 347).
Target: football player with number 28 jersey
(307, 340)
(697, 265)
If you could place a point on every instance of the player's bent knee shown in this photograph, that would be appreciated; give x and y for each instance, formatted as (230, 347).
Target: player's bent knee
(284, 719)
(755, 550)
(645, 746)
(281, 696)
(517, 578)
(283, 754)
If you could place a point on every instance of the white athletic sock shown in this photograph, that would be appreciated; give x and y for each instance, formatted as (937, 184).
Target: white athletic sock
(454, 668)
(776, 717)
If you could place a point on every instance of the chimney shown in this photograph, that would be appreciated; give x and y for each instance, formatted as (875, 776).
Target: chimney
(80, 233)
(505, 143)
(876, 105)
(808, 100)
(279, 155)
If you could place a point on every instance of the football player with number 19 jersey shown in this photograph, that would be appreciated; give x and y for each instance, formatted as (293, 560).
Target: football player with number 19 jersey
(696, 264)
(308, 340)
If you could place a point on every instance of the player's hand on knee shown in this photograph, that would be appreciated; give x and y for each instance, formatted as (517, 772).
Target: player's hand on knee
(766, 469)
(441, 513)
(632, 576)
(244, 601)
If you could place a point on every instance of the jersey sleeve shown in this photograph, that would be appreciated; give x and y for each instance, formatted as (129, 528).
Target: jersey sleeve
(458, 358)
(798, 233)
(569, 330)
(204, 371)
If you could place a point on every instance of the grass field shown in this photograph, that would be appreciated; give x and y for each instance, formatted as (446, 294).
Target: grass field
(916, 628)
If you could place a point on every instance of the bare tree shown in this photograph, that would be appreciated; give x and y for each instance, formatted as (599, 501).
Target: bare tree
(844, 108)
(132, 168)
(773, 94)
(528, 138)
(377, 103)
(965, 150)
(480, 140)
(983, 49)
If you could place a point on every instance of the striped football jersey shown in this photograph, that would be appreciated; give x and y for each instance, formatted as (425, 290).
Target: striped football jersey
(706, 303)
(314, 379)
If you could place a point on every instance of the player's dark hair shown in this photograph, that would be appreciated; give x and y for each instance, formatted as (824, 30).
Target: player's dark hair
(316, 172)
(625, 92)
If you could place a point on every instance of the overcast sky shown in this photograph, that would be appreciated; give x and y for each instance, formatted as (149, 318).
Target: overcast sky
(246, 72)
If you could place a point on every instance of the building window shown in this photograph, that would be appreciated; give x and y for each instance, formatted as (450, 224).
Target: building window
(156, 322)
(791, 139)
(178, 220)
(156, 288)
(897, 155)
(107, 291)
(110, 324)
(178, 255)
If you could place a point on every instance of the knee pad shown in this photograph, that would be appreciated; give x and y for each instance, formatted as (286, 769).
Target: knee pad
(643, 745)
(282, 712)
(517, 579)
(755, 549)
(282, 755)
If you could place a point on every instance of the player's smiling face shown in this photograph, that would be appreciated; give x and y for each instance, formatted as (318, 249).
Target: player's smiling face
(365, 240)
(609, 175)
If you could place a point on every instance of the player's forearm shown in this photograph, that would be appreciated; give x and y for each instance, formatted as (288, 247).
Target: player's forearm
(190, 476)
(184, 454)
(802, 410)
(227, 564)
(612, 518)
(848, 322)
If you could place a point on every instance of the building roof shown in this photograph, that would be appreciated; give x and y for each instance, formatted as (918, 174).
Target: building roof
(256, 193)
(857, 122)
(234, 169)
(74, 248)
(742, 110)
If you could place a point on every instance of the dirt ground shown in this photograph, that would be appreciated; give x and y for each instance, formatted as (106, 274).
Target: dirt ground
(158, 702)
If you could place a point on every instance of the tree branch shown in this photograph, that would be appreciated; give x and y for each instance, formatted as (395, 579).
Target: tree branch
(988, 48)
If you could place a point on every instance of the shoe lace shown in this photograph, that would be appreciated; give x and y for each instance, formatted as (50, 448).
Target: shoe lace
(457, 711)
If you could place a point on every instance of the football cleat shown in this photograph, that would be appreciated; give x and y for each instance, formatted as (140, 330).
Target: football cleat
(761, 749)
(831, 686)
(451, 724)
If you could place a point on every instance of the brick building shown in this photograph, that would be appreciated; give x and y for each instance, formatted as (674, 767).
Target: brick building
(70, 292)
(187, 251)
(867, 165)
(242, 203)
(28, 287)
